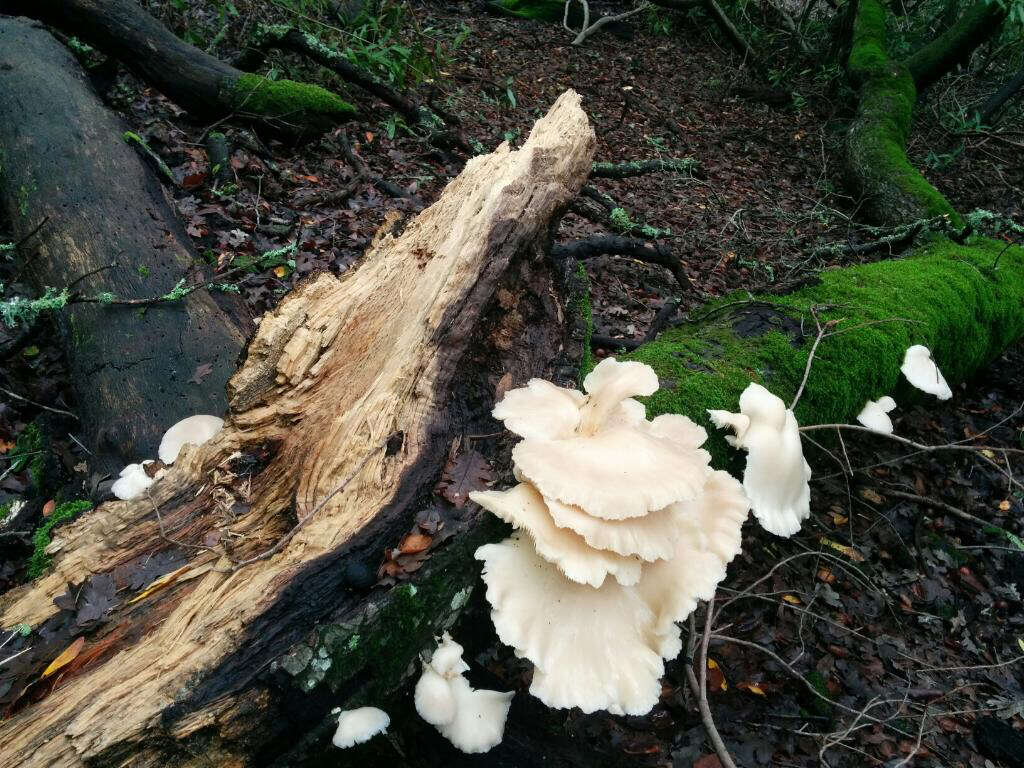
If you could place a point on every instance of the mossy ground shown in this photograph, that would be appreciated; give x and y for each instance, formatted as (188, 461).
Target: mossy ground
(945, 296)
(288, 100)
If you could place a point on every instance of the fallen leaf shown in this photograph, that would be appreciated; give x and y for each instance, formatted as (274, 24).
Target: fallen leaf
(66, 657)
(202, 371)
(826, 575)
(869, 495)
(280, 271)
(753, 688)
(48, 508)
(193, 180)
(838, 520)
(465, 473)
(5, 446)
(1004, 505)
(716, 678)
(850, 552)
(707, 761)
(792, 599)
(414, 542)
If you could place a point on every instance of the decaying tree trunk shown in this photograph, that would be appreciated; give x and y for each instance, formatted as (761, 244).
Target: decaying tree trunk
(359, 384)
(195, 80)
(109, 227)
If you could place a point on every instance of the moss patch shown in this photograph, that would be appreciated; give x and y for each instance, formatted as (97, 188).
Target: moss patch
(287, 100)
(40, 561)
(945, 296)
(29, 452)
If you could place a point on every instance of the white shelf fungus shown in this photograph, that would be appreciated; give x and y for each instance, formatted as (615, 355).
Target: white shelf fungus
(923, 373)
(358, 725)
(622, 527)
(875, 414)
(195, 430)
(472, 720)
(776, 476)
(133, 481)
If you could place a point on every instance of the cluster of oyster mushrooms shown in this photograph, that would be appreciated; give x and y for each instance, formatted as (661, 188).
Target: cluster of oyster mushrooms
(622, 527)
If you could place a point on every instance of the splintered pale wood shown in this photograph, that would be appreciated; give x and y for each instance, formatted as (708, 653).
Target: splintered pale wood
(340, 366)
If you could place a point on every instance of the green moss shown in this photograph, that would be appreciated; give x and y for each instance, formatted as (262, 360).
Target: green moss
(288, 100)
(539, 10)
(945, 296)
(39, 561)
(381, 646)
(895, 191)
(981, 20)
(586, 313)
(816, 705)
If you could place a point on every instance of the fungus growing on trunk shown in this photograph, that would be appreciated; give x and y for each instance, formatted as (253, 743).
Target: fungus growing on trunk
(472, 720)
(623, 526)
(358, 725)
(776, 476)
(133, 480)
(923, 373)
(875, 414)
(194, 430)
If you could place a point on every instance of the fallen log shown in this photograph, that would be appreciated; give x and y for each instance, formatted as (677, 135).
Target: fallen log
(340, 421)
(110, 230)
(198, 82)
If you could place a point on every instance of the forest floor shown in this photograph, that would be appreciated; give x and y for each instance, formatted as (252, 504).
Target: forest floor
(901, 610)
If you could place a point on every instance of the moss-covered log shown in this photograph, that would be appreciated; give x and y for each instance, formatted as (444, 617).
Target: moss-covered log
(980, 21)
(109, 230)
(195, 80)
(893, 190)
(945, 296)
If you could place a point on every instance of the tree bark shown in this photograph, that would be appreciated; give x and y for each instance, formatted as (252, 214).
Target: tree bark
(195, 80)
(64, 162)
(340, 421)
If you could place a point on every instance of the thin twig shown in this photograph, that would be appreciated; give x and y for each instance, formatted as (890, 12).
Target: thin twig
(16, 396)
(700, 690)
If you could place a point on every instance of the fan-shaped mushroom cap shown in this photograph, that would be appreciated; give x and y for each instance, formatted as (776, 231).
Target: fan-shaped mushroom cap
(194, 430)
(589, 645)
(651, 537)
(609, 384)
(358, 725)
(540, 410)
(737, 422)
(133, 480)
(875, 414)
(614, 474)
(776, 476)
(720, 513)
(923, 373)
(447, 659)
(524, 507)
(479, 722)
(434, 699)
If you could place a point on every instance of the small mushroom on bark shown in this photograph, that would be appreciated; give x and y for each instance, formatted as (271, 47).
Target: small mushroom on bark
(923, 373)
(358, 725)
(875, 415)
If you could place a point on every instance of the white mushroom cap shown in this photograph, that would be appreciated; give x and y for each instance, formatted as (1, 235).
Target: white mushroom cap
(590, 646)
(194, 430)
(614, 474)
(480, 715)
(133, 481)
(358, 725)
(776, 476)
(651, 537)
(524, 507)
(435, 701)
(609, 384)
(447, 659)
(540, 410)
(923, 373)
(875, 414)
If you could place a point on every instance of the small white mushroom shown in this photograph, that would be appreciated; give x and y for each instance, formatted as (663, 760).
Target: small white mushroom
(472, 720)
(875, 414)
(923, 373)
(358, 725)
(194, 430)
(776, 476)
(133, 481)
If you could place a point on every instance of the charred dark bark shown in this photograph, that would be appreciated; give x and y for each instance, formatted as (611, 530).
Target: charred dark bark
(64, 161)
(195, 80)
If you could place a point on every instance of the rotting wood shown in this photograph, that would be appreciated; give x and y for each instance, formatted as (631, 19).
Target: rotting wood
(414, 341)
